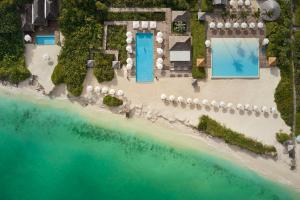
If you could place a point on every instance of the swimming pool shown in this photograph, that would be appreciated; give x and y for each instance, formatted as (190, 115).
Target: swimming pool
(45, 39)
(144, 57)
(235, 57)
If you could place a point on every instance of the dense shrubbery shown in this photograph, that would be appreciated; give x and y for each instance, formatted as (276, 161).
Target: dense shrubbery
(103, 70)
(179, 27)
(297, 12)
(112, 101)
(215, 129)
(116, 40)
(139, 16)
(282, 137)
(296, 46)
(12, 61)
(207, 6)
(280, 47)
(198, 44)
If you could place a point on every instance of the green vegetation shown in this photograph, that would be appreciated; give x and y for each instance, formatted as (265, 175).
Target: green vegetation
(12, 61)
(282, 137)
(207, 6)
(179, 27)
(198, 44)
(138, 16)
(103, 70)
(297, 12)
(280, 47)
(198, 72)
(213, 128)
(296, 49)
(297, 129)
(116, 40)
(112, 101)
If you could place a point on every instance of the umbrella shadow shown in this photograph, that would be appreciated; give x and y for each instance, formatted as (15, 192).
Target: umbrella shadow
(266, 115)
(257, 114)
(275, 115)
(241, 112)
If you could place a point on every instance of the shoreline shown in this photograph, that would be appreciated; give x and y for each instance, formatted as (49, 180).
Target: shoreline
(164, 130)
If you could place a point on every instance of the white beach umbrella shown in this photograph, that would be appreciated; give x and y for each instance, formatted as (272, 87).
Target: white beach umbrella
(136, 24)
(220, 25)
(129, 66)
(129, 34)
(247, 2)
(222, 104)
(46, 57)
(159, 60)
(129, 61)
(89, 88)
(236, 25)
(244, 25)
(120, 93)
(248, 107)
(265, 42)
(171, 98)
(229, 105)
(260, 25)
(273, 110)
(240, 2)
(112, 92)
(145, 24)
(212, 25)
(159, 51)
(232, 3)
(97, 89)
(255, 108)
(159, 34)
(264, 109)
(180, 99)
(189, 101)
(104, 90)
(227, 25)
(27, 38)
(240, 107)
(252, 25)
(153, 24)
(207, 43)
(129, 48)
(159, 40)
(159, 66)
(205, 102)
(163, 96)
(214, 103)
(196, 101)
(129, 40)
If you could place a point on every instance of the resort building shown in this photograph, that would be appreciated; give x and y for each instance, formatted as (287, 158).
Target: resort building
(180, 53)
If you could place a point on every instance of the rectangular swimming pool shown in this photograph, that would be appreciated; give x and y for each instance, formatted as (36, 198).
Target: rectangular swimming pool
(235, 57)
(144, 57)
(45, 39)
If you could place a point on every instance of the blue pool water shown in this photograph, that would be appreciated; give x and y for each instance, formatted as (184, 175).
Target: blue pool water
(144, 57)
(45, 39)
(235, 57)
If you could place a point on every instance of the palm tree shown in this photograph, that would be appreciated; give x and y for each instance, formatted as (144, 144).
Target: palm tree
(268, 13)
(244, 14)
(225, 13)
(256, 14)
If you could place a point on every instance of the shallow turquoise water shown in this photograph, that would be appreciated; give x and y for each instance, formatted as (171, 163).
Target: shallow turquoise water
(46, 153)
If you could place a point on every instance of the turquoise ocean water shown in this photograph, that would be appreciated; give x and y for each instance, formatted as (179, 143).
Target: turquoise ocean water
(49, 153)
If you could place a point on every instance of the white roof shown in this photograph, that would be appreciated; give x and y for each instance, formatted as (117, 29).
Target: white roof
(180, 56)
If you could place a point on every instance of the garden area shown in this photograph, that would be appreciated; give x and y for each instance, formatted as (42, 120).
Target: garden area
(198, 45)
(280, 47)
(102, 68)
(297, 13)
(12, 60)
(296, 49)
(213, 128)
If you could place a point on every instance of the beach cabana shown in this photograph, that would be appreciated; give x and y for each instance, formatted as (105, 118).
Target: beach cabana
(97, 90)
(247, 2)
(129, 40)
(89, 88)
(129, 34)
(189, 101)
(171, 98)
(214, 103)
(222, 104)
(207, 43)
(220, 25)
(159, 66)
(236, 25)
(104, 90)
(112, 92)
(240, 2)
(27, 38)
(260, 25)
(159, 51)
(145, 24)
(136, 24)
(265, 42)
(163, 97)
(129, 48)
(244, 25)
(227, 25)
(252, 25)
(196, 101)
(153, 24)
(264, 109)
(212, 25)
(180, 99)
(120, 93)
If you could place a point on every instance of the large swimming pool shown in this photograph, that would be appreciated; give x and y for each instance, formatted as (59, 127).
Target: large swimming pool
(144, 57)
(235, 57)
(45, 39)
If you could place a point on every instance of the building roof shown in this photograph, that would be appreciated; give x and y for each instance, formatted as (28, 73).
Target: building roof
(38, 13)
(180, 56)
(200, 62)
(51, 9)
(26, 18)
(271, 7)
(219, 2)
(180, 48)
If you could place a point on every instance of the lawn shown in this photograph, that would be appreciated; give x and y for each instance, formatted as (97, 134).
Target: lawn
(116, 40)
(198, 39)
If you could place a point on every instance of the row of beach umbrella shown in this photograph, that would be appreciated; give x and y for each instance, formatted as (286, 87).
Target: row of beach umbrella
(159, 37)
(265, 42)
(104, 90)
(236, 25)
(239, 3)
(215, 104)
(144, 24)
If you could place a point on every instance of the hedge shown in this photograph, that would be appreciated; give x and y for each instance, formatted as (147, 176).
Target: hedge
(138, 16)
(103, 70)
(112, 101)
(213, 128)
(282, 137)
(116, 40)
